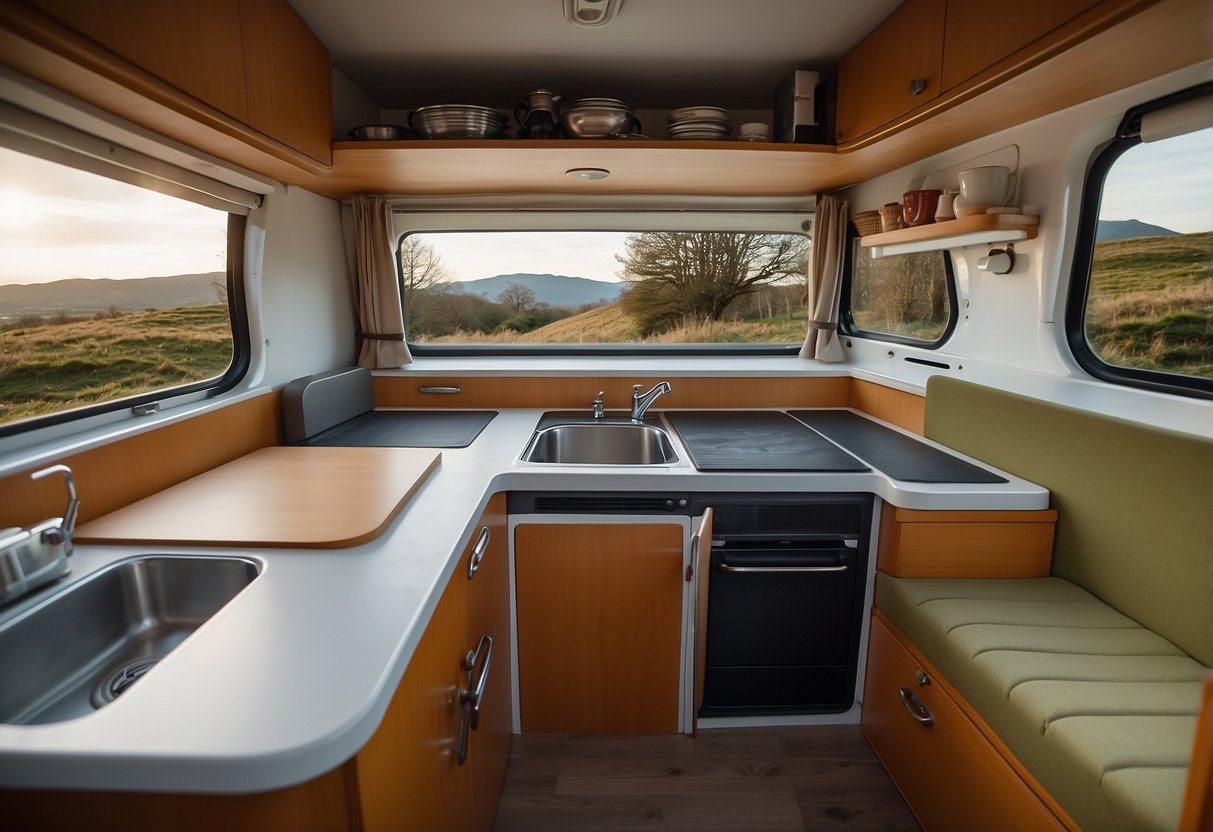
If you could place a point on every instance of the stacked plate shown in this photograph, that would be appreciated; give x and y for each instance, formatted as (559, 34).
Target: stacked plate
(699, 123)
(457, 121)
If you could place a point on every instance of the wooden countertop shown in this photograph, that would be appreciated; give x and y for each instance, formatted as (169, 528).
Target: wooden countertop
(280, 496)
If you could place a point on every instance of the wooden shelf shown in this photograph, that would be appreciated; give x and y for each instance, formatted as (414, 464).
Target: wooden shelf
(966, 231)
(537, 166)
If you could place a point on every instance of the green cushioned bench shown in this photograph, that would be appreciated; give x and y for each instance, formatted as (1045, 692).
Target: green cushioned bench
(1091, 677)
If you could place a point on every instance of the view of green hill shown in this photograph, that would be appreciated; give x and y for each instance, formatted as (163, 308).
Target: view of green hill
(1151, 303)
(52, 367)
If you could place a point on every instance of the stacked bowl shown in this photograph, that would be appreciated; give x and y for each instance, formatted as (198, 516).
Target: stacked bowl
(457, 121)
(699, 123)
(598, 118)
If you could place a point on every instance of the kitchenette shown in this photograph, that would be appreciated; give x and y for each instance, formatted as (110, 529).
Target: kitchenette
(765, 517)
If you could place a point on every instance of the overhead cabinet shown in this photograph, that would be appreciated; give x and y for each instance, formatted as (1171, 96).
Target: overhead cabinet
(929, 48)
(253, 60)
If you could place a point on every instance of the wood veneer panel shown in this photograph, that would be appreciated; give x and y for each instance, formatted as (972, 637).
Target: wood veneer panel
(599, 611)
(577, 392)
(283, 497)
(906, 410)
(1197, 813)
(321, 805)
(953, 773)
(128, 470)
(407, 774)
(966, 544)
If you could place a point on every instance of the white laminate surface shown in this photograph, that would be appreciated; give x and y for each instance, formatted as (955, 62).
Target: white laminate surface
(292, 678)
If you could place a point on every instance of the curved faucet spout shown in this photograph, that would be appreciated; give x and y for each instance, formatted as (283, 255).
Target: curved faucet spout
(641, 401)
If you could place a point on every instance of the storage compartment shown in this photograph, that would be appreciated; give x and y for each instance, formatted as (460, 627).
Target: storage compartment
(785, 601)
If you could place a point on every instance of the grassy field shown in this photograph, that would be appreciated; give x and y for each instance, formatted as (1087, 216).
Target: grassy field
(55, 366)
(611, 325)
(1151, 303)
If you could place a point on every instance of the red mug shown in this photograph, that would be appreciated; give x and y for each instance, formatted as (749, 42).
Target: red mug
(919, 206)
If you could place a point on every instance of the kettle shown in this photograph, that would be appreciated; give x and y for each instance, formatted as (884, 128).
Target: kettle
(537, 115)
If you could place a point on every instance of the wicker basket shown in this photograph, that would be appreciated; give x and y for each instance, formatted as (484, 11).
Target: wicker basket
(867, 222)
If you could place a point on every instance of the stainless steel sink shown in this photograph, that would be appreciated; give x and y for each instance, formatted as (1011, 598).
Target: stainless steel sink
(83, 647)
(601, 443)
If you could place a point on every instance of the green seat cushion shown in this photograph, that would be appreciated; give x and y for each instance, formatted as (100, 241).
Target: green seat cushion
(1101, 710)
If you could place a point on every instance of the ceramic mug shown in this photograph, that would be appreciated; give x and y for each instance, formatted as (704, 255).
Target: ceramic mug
(891, 217)
(989, 185)
(919, 206)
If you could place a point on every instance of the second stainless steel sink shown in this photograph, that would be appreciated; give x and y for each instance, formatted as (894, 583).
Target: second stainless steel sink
(84, 646)
(601, 443)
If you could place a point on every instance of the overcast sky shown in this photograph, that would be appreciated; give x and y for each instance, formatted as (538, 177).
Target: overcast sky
(56, 223)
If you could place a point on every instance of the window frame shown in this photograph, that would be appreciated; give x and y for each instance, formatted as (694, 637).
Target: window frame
(427, 222)
(1128, 135)
(846, 320)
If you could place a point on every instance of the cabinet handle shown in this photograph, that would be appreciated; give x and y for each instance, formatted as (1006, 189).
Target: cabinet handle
(469, 699)
(918, 86)
(920, 713)
(690, 573)
(429, 388)
(482, 546)
(724, 567)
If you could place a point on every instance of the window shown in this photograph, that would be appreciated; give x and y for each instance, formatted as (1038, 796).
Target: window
(567, 288)
(111, 294)
(1140, 308)
(905, 298)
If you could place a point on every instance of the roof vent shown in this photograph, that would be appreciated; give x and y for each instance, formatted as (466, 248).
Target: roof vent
(591, 13)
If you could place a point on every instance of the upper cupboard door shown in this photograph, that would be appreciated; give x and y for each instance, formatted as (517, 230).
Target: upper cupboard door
(195, 46)
(980, 33)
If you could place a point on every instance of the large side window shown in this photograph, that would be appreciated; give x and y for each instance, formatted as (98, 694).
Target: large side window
(112, 295)
(904, 298)
(1140, 307)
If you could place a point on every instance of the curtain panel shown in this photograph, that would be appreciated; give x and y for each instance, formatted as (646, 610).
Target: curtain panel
(825, 280)
(377, 288)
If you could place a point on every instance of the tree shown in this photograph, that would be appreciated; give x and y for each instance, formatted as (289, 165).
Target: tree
(676, 276)
(421, 270)
(517, 297)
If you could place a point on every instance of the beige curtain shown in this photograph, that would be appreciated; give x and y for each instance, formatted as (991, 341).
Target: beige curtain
(376, 289)
(825, 280)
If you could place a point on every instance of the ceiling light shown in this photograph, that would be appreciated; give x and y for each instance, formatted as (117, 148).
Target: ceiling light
(587, 174)
(591, 13)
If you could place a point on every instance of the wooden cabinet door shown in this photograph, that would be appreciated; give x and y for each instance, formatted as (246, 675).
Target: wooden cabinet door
(195, 46)
(875, 78)
(980, 33)
(487, 570)
(408, 774)
(289, 81)
(599, 627)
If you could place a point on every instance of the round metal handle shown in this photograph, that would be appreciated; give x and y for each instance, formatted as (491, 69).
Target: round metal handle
(918, 86)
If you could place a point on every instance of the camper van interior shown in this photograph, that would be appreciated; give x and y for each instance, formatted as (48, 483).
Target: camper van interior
(606, 414)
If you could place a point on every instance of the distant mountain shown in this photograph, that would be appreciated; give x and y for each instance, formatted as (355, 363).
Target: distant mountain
(552, 289)
(81, 296)
(1127, 229)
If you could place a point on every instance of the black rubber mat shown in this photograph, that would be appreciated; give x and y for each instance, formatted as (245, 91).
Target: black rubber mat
(901, 457)
(756, 441)
(406, 429)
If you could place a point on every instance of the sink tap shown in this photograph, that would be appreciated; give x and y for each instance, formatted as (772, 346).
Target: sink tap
(641, 401)
(597, 405)
(37, 555)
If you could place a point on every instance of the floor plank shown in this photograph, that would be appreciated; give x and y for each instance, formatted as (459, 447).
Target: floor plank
(778, 779)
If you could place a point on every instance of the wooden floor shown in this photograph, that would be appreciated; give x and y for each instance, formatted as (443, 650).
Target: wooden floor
(804, 778)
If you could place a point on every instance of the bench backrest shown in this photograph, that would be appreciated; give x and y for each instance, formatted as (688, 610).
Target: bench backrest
(1135, 503)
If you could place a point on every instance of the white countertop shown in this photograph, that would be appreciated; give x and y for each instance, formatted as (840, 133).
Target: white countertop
(292, 677)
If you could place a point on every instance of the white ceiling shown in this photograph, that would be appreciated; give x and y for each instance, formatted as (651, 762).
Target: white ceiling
(655, 54)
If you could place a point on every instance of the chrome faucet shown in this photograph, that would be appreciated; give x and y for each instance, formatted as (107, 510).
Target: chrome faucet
(37, 555)
(641, 401)
(596, 406)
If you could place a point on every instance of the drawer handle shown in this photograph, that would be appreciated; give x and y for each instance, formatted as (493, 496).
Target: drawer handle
(469, 700)
(724, 567)
(920, 713)
(482, 546)
(918, 86)
(449, 391)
